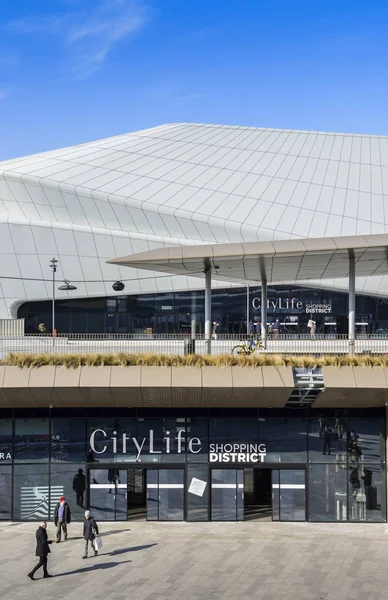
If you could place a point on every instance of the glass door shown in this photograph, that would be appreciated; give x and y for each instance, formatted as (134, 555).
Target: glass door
(288, 495)
(227, 502)
(136, 501)
(108, 494)
(165, 494)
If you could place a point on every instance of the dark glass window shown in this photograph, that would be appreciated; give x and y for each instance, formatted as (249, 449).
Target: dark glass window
(31, 440)
(5, 441)
(68, 440)
(285, 439)
(31, 495)
(67, 480)
(327, 492)
(5, 493)
(197, 431)
(232, 431)
(367, 485)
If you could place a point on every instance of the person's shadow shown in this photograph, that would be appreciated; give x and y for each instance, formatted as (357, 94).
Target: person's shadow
(132, 549)
(93, 567)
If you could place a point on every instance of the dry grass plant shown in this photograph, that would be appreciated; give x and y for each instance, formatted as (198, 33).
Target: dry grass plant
(122, 359)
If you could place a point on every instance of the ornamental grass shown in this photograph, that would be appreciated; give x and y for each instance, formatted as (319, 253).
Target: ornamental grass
(123, 359)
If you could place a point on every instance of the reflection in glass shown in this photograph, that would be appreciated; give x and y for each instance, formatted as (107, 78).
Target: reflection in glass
(327, 439)
(32, 494)
(68, 440)
(31, 440)
(327, 492)
(366, 493)
(171, 494)
(292, 495)
(285, 439)
(68, 480)
(5, 493)
(152, 495)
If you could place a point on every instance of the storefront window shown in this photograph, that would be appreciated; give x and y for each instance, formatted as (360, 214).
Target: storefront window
(197, 430)
(327, 492)
(5, 441)
(366, 437)
(31, 495)
(285, 439)
(327, 439)
(367, 493)
(5, 493)
(69, 481)
(68, 440)
(31, 440)
(233, 431)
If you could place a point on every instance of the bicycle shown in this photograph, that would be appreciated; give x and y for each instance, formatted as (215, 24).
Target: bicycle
(248, 347)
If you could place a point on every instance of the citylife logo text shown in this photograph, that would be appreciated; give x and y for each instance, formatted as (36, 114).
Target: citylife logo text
(5, 456)
(124, 444)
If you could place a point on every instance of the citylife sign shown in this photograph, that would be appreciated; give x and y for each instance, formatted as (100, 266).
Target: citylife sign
(281, 304)
(218, 453)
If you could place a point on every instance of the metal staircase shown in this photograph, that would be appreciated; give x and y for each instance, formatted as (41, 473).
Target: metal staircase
(308, 386)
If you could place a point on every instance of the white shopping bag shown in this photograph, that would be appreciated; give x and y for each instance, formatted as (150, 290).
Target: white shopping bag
(97, 543)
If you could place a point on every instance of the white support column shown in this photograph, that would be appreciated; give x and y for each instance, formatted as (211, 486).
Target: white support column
(264, 311)
(208, 308)
(248, 309)
(193, 315)
(352, 302)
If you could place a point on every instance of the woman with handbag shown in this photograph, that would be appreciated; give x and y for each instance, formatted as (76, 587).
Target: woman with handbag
(90, 533)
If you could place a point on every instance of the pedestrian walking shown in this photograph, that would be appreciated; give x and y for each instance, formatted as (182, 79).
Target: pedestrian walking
(90, 532)
(62, 517)
(42, 550)
(276, 327)
(113, 478)
(312, 326)
(79, 486)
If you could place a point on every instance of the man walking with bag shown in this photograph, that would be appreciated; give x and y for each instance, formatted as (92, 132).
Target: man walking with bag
(90, 533)
(42, 550)
(62, 517)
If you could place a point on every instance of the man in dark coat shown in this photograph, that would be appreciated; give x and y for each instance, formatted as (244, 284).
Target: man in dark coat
(62, 517)
(90, 532)
(79, 485)
(42, 550)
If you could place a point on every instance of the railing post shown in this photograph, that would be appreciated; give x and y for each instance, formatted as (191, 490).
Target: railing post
(352, 302)
(208, 308)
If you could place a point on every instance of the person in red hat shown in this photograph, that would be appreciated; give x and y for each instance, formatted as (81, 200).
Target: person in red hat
(62, 518)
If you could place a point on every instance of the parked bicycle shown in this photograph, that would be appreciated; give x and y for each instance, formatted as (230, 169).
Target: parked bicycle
(248, 347)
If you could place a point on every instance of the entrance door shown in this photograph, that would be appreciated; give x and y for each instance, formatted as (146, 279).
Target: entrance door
(165, 494)
(108, 494)
(257, 494)
(136, 501)
(288, 495)
(227, 502)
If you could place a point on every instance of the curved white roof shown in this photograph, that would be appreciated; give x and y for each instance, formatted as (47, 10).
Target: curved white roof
(182, 184)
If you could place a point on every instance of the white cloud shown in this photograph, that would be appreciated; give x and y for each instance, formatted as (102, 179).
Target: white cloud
(88, 31)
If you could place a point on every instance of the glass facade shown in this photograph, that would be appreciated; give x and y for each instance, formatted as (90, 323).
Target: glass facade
(173, 312)
(195, 465)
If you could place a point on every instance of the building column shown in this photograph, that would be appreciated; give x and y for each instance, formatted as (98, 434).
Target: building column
(193, 315)
(352, 302)
(208, 308)
(264, 311)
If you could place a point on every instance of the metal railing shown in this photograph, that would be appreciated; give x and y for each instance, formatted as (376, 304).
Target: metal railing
(291, 344)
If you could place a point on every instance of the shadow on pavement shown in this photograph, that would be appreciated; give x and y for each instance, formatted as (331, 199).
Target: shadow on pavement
(93, 567)
(113, 531)
(133, 549)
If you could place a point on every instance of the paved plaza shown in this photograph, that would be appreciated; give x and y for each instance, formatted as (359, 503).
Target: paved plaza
(160, 561)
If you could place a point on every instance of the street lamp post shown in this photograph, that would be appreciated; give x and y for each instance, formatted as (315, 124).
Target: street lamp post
(53, 265)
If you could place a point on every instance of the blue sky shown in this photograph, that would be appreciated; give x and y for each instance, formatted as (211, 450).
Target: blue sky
(77, 70)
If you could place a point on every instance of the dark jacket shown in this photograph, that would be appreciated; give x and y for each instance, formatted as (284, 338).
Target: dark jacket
(90, 529)
(79, 483)
(42, 543)
(66, 513)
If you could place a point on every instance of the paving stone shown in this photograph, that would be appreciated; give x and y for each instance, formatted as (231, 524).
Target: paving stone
(203, 561)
